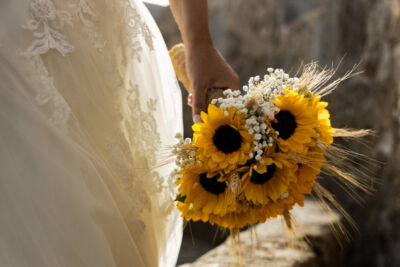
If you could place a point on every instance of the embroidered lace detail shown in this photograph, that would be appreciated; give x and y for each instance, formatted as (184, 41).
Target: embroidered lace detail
(148, 139)
(133, 153)
(88, 17)
(48, 95)
(122, 162)
(138, 29)
(147, 142)
(86, 14)
(46, 24)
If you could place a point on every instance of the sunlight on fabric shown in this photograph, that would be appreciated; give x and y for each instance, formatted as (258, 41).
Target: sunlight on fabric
(157, 2)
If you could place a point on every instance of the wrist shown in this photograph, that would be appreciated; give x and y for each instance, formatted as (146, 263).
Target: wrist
(199, 42)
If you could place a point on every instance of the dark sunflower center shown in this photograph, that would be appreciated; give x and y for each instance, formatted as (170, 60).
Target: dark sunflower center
(211, 185)
(257, 178)
(227, 139)
(286, 124)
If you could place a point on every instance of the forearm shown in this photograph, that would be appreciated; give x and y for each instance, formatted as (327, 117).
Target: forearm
(205, 66)
(192, 19)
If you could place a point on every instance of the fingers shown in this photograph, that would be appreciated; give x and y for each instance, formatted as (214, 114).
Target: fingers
(235, 84)
(197, 118)
(198, 103)
(190, 100)
(232, 82)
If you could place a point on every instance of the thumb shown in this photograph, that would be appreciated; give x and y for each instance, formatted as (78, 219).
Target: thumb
(199, 103)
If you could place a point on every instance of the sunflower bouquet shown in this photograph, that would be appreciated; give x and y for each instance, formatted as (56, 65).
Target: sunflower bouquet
(259, 151)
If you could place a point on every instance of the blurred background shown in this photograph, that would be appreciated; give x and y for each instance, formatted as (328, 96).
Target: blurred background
(255, 34)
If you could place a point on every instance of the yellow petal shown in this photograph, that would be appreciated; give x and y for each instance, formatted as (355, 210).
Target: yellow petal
(200, 200)
(234, 157)
(197, 127)
(210, 205)
(218, 156)
(204, 116)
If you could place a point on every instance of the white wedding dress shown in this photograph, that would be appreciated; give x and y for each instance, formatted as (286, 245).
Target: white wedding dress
(88, 106)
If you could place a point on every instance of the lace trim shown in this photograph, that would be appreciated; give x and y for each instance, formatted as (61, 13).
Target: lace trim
(134, 156)
(147, 142)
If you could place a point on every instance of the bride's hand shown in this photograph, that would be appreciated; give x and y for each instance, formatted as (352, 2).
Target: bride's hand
(206, 68)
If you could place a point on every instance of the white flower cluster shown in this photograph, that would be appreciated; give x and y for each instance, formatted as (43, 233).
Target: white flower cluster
(274, 83)
(262, 136)
(258, 105)
(232, 99)
(185, 154)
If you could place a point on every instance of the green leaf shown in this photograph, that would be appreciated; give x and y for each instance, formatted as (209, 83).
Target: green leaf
(304, 91)
(180, 198)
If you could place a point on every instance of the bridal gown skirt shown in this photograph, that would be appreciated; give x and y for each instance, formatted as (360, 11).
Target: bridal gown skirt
(88, 107)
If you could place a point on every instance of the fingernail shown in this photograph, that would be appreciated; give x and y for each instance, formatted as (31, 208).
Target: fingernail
(197, 118)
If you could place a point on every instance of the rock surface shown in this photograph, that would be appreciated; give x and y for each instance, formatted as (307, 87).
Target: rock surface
(269, 246)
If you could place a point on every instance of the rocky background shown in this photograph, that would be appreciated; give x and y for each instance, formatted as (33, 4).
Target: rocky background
(254, 34)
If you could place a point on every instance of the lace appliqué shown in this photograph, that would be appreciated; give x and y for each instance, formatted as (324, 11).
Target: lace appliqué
(87, 15)
(138, 29)
(133, 156)
(145, 142)
(122, 163)
(133, 153)
(48, 94)
(46, 23)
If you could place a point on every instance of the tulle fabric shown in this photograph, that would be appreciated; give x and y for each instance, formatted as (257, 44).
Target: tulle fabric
(88, 105)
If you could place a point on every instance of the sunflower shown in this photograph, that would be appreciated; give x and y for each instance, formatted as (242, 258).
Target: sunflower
(233, 220)
(295, 122)
(325, 129)
(266, 182)
(260, 213)
(208, 195)
(306, 174)
(222, 139)
(189, 213)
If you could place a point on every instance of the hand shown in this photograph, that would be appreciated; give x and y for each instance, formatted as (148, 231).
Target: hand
(206, 68)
